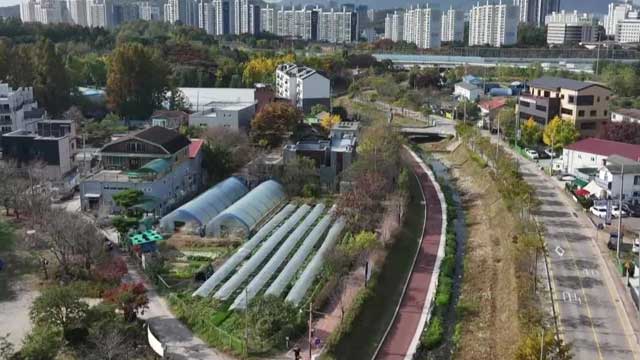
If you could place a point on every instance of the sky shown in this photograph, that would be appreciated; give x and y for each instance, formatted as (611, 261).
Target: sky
(598, 6)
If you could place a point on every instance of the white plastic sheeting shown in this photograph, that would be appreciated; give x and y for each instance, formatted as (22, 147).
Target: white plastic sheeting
(258, 258)
(308, 276)
(247, 212)
(258, 281)
(244, 251)
(292, 267)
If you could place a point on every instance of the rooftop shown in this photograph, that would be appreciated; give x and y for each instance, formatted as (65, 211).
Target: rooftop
(467, 86)
(606, 148)
(616, 163)
(295, 70)
(35, 136)
(555, 83)
(633, 113)
(493, 104)
(200, 98)
(171, 140)
(194, 147)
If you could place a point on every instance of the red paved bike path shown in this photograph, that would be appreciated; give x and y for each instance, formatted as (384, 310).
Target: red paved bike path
(397, 344)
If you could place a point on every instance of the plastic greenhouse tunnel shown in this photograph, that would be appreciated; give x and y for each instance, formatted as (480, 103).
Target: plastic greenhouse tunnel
(244, 251)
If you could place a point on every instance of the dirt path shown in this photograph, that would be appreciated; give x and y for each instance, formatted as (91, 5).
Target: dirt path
(14, 312)
(401, 341)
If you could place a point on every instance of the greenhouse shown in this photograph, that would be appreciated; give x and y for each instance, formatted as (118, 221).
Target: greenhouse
(206, 206)
(247, 212)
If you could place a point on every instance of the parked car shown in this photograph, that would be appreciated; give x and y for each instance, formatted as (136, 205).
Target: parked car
(612, 244)
(532, 154)
(636, 246)
(615, 211)
(599, 211)
(631, 210)
(566, 177)
(542, 154)
(551, 153)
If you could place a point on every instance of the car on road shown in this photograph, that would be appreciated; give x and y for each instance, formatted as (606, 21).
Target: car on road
(532, 154)
(636, 246)
(631, 210)
(615, 211)
(551, 153)
(599, 211)
(566, 177)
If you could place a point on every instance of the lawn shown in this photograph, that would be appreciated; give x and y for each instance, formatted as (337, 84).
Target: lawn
(377, 312)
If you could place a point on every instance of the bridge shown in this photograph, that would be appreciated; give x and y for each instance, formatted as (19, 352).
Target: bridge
(446, 61)
(442, 127)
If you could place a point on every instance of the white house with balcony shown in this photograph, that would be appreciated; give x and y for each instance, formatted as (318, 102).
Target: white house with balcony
(620, 171)
(18, 109)
(302, 86)
(585, 157)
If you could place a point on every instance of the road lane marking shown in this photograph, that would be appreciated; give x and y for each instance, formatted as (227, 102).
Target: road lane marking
(559, 251)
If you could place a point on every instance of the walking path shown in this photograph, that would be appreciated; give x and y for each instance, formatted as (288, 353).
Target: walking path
(402, 338)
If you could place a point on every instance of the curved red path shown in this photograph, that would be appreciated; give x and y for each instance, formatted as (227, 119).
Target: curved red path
(397, 344)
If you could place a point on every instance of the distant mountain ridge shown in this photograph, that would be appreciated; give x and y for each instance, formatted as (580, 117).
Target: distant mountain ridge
(597, 6)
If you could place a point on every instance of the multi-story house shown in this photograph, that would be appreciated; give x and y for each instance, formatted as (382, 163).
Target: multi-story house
(18, 109)
(630, 115)
(302, 86)
(493, 25)
(422, 26)
(163, 164)
(584, 104)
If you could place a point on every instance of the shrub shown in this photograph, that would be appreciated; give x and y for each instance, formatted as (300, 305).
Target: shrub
(433, 336)
(43, 343)
(443, 295)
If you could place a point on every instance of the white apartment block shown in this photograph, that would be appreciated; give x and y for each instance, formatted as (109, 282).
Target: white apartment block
(221, 11)
(78, 12)
(44, 11)
(535, 11)
(617, 13)
(100, 14)
(148, 11)
(207, 17)
(337, 26)
(185, 11)
(628, 31)
(18, 109)
(295, 23)
(268, 19)
(569, 18)
(452, 25)
(494, 25)
(393, 26)
(28, 11)
(571, 28)
(422, 26)
(254, 19)
(303, 86)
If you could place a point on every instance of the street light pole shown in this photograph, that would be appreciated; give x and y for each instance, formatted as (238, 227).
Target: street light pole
(620, 210)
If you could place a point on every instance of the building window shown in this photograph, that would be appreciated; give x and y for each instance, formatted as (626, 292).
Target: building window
(547, 94)
(588, 125)
(580, 112)
(571, 99)
(606, 112)
(636, 180)
(541, 108)
(524, 104)
(594, 113)
(585, 100)
(598, 99)
(567, 111)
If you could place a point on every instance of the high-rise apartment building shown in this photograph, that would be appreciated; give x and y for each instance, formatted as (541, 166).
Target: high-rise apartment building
(535, 11)
(628, 31)
(268, 19)
(78, 12)
(453, 25)
(618, 12)
(254, 19)
(207, 17)
(493, 24)
(571, 28)
(222, 15)
(297, 23)
(44, 11)
(393, 26)
(184, 11)
(100, 13)
(148, 11)
(337, 26)
(423, 26)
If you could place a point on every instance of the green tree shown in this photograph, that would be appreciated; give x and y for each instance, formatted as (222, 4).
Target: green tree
(560, 133)
(137, 81)
(131, 299)
(317, 109)
(21, 72)
(530, 132)
(218, 162)
(7, 236)
(297, 174)
(59, 307)
(531, 35)
(467, 110)
(128, 198)
(272, 320)
(52, 86)
(507, 122)
(43, 343)
(535, 347)
(273, 123)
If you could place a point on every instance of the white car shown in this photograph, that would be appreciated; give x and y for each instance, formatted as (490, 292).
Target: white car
(615, 211)
(567, 177)
(636, 246)
(599, 211)
(532, 154)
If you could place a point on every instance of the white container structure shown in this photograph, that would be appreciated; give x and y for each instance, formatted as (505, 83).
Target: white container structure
(292, 267)
(258, 258)
(244, 251)
(309, 274)
(258, 281)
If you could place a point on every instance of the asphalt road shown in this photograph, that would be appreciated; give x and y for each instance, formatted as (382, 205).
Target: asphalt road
(591, 315)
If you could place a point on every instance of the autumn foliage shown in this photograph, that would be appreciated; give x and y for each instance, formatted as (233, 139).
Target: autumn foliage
(131, 299)
(111, 270)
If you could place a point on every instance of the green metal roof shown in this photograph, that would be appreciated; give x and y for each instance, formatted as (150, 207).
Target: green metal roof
(147, 203)
(580, 183)
(158, 166)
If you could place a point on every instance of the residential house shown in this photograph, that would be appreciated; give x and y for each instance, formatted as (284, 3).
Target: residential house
(164, 164)
(467, 91)
(620, 174)
(170, 119)
(18, 109)
(302, 86)
(52, 144)
(490, 108)
(331, 156)
(585, 104)
(620, 115)
(585, 157)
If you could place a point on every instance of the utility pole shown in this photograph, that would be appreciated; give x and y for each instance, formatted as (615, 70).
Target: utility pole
(310, 326)
(620, 210)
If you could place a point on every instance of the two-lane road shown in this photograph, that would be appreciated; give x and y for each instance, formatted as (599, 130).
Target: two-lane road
(591, 316)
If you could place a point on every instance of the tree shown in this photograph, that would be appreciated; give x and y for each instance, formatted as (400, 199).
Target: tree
(297, 174)
(317, 109)
(59, 307)
(273, 123)
(329, 121)
(7, 350)
(51, 84)
(131, 299)
(467, 110)
(262, 69)
(272, 319)
(111, 269)
(128, 198)
(112, 339)
(560, 133)
(43, 343)
(178, 100)
(531, 35)
(531, 133)
(535, 347)
(507, 122)
(137, 81)
(217, 162)
(7, 236)
(625, 131)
